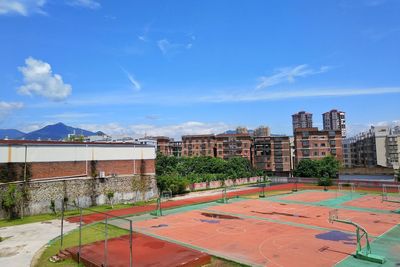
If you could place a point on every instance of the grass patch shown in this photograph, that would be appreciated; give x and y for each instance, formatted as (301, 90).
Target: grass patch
(90, 233)
(69, 213)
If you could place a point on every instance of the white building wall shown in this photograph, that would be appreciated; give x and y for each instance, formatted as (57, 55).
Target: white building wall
(57, 153)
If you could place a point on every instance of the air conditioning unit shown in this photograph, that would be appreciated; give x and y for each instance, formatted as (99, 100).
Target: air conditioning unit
(102, 174)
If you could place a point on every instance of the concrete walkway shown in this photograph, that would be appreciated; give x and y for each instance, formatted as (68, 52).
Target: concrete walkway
(23, 241)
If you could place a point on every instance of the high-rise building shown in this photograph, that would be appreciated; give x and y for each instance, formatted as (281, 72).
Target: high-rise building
(302, 119)
(335, 120)
(312, 143)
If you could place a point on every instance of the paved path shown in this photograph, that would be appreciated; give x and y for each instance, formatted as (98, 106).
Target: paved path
(25, 240)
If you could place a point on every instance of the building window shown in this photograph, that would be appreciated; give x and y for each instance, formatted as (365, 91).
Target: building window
(315, 153)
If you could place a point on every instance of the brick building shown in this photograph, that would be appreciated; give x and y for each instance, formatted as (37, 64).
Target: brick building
(163, 144)
(272, 154)
(312, 143)
(234, 145)
(52, 160)
(198, 145)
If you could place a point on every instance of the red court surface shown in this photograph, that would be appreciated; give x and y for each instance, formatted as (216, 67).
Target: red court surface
(147, 252)
(312, 196)
(373, 202)
(376, 224)
(252, 241)
(175, 203)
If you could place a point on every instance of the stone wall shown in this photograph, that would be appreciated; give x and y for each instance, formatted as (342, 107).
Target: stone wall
(86, 192)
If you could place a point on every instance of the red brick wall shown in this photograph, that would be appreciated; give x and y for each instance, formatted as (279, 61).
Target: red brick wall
(42, 170)
(45, 170)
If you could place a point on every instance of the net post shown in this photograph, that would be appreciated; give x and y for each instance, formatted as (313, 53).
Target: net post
(80, 235)
(62, 225)
(130, 245)
(105, 241)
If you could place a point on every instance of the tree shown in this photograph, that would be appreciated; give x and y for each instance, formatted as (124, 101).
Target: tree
(329, 167)
(307, 168)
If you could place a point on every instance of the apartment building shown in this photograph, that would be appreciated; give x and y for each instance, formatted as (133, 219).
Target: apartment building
(379, 146)
(302, 119)
(262, 131)
(272, 154)
(163, 144)
(175, 148)
(335, 120)
(198, 145)
(234, 145)
(347, 159)
(312, 143)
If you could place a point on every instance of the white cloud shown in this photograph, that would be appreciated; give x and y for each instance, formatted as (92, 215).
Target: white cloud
(288, 75)
(173, 130)
(91, 4)
(21, 7)
(135, 83)
(40, 80)
(8, 107)
(168, 48)
(142, 38)
(287, 94)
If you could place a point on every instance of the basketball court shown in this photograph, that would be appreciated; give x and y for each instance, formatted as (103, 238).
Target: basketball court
(279, 230)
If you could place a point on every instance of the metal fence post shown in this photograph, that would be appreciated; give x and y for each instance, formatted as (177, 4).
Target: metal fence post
(62, 225)
(130, 244)
(80, 235)
(105, 241)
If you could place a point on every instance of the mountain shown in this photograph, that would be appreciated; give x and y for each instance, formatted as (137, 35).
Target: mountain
(57, 131)
(11, 134)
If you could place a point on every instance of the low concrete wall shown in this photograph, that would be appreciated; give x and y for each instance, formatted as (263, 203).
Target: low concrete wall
(85, 191)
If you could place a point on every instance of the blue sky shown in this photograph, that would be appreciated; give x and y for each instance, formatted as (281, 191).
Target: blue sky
(183, 67)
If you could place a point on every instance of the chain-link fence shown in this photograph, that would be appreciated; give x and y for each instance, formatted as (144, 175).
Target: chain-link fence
(99, 236)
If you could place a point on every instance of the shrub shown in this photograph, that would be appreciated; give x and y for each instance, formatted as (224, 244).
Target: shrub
(11, 201)
(110, 197)
(172, 182)
(324, 181)
(53, 206)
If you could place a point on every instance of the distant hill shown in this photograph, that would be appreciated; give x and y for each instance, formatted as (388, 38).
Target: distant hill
(57, 131)
(11, 134)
